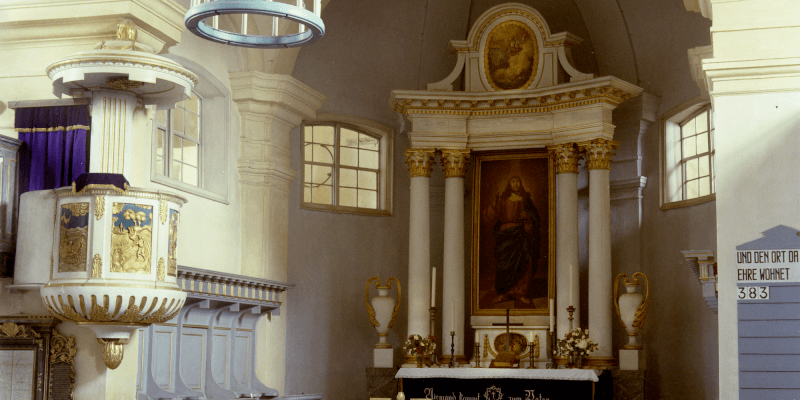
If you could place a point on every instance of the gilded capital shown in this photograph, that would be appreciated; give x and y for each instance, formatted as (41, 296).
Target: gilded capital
(598, 153)
(455, 162)
(420, 162)
(566, 156)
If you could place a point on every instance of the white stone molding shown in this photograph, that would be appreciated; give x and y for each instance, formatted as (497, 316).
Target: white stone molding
(704, 267)
(701, 6)
(90, 21)
(696, 57)
(628, 188)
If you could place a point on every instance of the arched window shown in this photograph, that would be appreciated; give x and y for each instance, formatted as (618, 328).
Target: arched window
(346, 165)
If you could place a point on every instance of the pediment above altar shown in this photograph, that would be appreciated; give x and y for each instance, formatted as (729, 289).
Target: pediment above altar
(510, 47)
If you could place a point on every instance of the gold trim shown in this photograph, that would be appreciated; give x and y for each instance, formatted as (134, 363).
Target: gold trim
(162, 209)
(113, 351)
(420, 162)
(598, 153)
(77, 209)
(123, 83)
(455, 162)
(399, 297)
(99, 206)
(111, 190)
(57, 128)
(97, 266)
(514, 12)
(111, 284)
(160, 269)
(62, 351)
(12, 330)
(370, 310)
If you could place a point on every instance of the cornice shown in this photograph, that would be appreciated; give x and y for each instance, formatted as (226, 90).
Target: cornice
(607, 90)
(752, 76)
(283, 90)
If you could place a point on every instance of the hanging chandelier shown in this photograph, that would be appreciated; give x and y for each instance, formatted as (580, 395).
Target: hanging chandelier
(202, 19)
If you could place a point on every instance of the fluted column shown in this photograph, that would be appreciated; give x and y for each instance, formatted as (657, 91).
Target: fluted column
(567, 284)
(419, 241)
(455, 164)
(598, 154)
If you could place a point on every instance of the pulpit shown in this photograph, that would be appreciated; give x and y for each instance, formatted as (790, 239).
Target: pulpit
(496, 384)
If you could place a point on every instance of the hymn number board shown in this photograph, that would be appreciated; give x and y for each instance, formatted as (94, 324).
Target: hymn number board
(768, 292)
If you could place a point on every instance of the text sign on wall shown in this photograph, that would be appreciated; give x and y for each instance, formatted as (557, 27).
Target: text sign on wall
(774, 258)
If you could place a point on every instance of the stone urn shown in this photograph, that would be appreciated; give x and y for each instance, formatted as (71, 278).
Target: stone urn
(631, 307)
(382, 309)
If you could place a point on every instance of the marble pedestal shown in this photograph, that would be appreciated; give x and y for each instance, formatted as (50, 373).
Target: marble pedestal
(631, 360)
(381, 383)
(383, 358)
(628, 385)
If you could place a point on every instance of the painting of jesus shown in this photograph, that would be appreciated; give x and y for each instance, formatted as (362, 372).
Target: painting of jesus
(512, 258)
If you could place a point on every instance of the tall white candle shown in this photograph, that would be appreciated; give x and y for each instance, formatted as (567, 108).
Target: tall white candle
(433, 288)
(571, 293)
(452, 314)
(551, 315)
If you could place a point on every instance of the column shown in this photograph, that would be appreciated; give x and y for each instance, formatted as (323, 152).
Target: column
(455, 166)
(567, 284)
(112, 131)
(270, 106)
(598, 154)
(419, 162)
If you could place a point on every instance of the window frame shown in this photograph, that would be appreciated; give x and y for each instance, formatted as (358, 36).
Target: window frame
(168, 145)
(673, 183)
(215, 131)
(385, 163)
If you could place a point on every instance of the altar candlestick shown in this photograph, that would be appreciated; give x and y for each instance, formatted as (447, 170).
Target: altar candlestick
(571, 293)
(452, 314)
(433, 288)
(551, 315)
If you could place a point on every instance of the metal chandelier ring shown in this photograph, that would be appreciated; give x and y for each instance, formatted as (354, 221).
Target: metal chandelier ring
(195, 16)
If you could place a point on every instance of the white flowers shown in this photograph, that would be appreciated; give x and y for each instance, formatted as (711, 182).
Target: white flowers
(575, 342)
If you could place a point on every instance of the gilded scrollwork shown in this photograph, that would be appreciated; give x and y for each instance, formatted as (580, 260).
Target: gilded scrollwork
(172, 269)
(566, 156)
(62, 349)
(99, 206)
(99, 313)
(420, 162)
(160, 269)
(162, 209)
(97, 266)
(73, 234)
(131, 239)
(12, 330)
(455, 162)
(598, 153)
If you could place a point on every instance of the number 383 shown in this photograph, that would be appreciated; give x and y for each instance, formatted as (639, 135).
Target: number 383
(753, 293)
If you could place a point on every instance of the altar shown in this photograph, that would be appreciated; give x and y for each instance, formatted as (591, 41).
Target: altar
(497, 383)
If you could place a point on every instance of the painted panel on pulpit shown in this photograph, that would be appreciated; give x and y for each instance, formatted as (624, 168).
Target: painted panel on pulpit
(513, 233)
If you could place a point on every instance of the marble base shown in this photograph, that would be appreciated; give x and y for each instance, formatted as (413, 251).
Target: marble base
(628, 385)
(383, 358)
(631, 360)
(381, 383)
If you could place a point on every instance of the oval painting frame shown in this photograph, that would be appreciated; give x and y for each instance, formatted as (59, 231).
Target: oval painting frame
(515, 339)
(511, 56)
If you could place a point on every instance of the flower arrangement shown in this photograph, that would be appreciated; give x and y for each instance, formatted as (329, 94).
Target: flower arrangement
(418, 345)
(575, 342)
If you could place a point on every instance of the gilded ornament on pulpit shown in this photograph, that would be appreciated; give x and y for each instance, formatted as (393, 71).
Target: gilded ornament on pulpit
(172, 270)
(511, 57)
(73, 232)
(131, 239)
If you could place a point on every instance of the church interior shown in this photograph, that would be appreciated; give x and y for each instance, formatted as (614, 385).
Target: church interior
(407, 142)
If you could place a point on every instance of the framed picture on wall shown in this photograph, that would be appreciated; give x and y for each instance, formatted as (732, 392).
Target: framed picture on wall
(513, 233)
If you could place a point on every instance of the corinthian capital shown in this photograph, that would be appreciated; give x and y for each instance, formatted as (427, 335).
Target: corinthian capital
(420, 162)
(566, 156)
(455, 162)
(598, 153)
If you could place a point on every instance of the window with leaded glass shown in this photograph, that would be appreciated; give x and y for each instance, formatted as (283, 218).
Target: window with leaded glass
(344, 168)
(687, 155)
(178, 139)
(697, 155)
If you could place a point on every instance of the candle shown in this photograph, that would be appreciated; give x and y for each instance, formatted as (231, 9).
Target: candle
(571, 294)
(433, 288)
(551, 315)
(453, 314)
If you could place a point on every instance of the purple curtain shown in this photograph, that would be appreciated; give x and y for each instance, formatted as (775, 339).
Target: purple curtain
(54, 149)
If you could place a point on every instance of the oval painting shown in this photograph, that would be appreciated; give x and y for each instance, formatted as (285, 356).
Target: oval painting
(511, 56)
(516, 343)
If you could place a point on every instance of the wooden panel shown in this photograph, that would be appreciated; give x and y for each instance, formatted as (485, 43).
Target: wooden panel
(769, 362)
(192, 356)
(771, 328)
(775, 394)
(162, 359)
(769, 380)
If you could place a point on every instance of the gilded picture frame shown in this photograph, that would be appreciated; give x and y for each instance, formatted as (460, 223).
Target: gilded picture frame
(513, 233)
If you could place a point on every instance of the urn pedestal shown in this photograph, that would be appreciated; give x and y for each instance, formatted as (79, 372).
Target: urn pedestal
(631, 307)
(382, 310)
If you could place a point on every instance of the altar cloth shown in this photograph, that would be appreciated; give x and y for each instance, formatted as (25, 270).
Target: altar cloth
(499, 373)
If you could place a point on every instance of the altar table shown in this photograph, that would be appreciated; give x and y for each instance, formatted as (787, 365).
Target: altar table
(497, 383)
